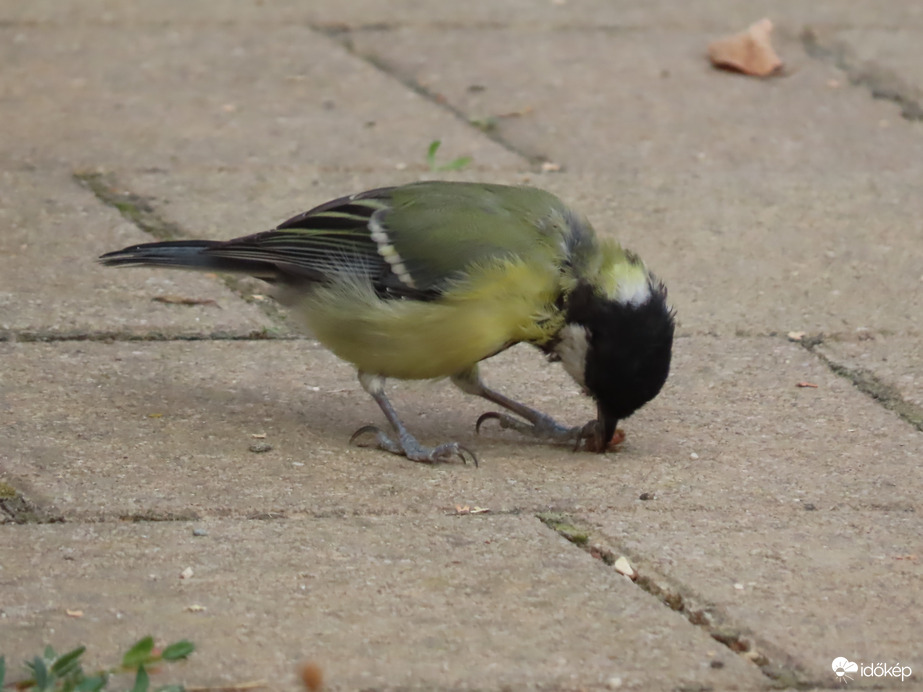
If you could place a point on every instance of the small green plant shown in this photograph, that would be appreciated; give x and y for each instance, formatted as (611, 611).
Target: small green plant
(453, 165)
(488, 123)
(53, 673)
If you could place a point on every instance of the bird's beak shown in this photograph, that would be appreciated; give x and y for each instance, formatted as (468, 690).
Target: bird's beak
(605, 429)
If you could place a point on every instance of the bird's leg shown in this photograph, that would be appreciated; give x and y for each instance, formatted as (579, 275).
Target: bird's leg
(539, 425)
(405, 444)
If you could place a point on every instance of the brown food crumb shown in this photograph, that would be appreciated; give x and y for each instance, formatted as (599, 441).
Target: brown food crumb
(312, 676)
(618, 437)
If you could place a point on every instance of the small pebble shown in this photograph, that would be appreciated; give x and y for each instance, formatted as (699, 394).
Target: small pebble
(199, 532)
(623, 566)
(260, 447)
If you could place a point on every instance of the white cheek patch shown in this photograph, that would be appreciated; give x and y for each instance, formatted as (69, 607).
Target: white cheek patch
(635, 291)
(571, 349)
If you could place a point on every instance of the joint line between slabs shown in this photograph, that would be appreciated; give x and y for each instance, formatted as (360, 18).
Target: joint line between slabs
(882, 83)
(341, 36)
(731, 637)
(867, 382)
(137, 209)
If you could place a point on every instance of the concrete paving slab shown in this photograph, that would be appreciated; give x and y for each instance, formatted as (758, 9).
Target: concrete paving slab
(768, 206)
(809, 586)
(222, 203)
(224, 95)
(757, 433)
(821, 258)
(658, 107)
(51, 285)
(897, 51)
(712, 14)
(725, 178)
(896, 361)
(172, 425)
(433, 602)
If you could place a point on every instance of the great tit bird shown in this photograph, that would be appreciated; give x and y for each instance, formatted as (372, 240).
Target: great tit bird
(428, 279)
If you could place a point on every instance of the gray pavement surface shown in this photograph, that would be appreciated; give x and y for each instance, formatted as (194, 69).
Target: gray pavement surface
(769, 498)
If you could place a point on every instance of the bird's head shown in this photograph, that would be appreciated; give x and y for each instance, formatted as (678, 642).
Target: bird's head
(617, 344)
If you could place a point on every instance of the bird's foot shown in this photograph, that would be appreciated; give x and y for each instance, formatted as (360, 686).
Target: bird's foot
(407, 446)
(548, 429)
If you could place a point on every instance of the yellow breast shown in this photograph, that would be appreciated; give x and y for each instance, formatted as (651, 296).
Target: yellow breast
(493, 308)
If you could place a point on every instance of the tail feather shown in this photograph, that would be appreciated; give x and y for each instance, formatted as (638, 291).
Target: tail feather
(187, 254)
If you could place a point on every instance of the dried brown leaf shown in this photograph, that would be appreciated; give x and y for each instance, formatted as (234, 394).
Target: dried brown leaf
(749, 52)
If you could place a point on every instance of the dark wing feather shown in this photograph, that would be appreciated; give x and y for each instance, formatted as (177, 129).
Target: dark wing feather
(329, 242)
(414, 241)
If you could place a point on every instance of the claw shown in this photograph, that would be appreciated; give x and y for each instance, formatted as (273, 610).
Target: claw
(546, 429)
(382, 441)
(362, 431)
(591, 433)
(411, 449)
(530, 422)
(508, 422)
(405, 444)
(505, 421)
(588, 433)
(483, 417)
(446, 451)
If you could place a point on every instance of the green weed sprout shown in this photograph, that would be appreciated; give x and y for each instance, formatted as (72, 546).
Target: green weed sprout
(453, 165)
(51, 672)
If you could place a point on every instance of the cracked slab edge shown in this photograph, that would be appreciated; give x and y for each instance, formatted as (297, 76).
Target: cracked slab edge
(342, 35)
(867, 382)
(772, 662)
(32, 336)
(15, 508)
(882, 82)
(138, 210)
